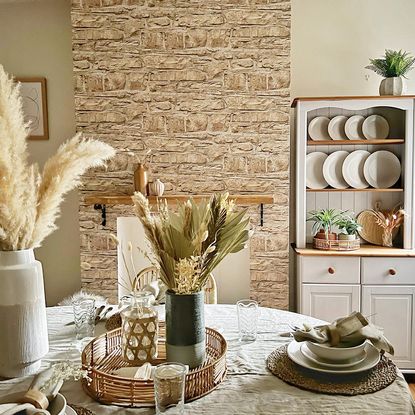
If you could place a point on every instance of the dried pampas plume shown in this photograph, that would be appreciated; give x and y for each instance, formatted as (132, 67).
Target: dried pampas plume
(30, 200)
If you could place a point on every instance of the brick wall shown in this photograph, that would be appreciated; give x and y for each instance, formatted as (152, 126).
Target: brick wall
(205, 85)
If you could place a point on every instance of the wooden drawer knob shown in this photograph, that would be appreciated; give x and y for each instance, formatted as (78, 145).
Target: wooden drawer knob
(331, 270)
(392, 271)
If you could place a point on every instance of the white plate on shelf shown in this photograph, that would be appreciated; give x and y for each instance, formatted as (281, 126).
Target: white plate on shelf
(375, 127)
(336, 127)
(314, 170)
(371, 360)
(347, 363)
(318, 128)
(353, 167)
(333, 169)
(353, 127)
(382, 169)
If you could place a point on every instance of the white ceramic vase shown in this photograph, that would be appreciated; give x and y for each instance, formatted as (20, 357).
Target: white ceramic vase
(392, 86)
(23, 324)
(156, 188)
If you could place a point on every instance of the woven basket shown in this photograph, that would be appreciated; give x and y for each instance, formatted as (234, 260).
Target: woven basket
(103, 355)
(336, 245)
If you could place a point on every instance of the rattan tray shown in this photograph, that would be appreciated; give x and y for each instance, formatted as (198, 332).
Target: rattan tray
(103, 355)
(336, 245)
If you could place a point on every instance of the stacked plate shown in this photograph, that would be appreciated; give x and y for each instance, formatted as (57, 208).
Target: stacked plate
(358, 169)
(355, 127)
(361, 359)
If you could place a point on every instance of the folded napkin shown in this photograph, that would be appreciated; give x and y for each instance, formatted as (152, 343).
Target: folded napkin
(350, 330)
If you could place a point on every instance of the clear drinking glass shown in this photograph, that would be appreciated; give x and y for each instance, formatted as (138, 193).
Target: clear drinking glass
(169, 382)
(247, 320)
(84, 317)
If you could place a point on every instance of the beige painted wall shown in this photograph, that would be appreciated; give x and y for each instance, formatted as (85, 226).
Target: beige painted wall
(332, 41)
(35, 40)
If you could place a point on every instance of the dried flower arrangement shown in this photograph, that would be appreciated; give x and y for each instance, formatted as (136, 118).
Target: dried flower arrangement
(389, 221)
(189, 244)
(30, 200)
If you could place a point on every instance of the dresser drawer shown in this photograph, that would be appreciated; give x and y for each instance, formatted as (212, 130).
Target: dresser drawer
(391, 270)
(329, 269)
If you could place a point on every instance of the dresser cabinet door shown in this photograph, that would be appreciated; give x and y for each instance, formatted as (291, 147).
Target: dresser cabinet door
(392, 307)
(328, 302)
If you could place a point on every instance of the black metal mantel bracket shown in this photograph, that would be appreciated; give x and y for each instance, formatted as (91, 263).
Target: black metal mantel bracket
(103, 209)
(261, 214)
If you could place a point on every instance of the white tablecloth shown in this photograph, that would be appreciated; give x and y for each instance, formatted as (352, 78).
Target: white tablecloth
(248, 389)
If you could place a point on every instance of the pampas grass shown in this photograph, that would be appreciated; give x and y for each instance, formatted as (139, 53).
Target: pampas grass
(29, 199)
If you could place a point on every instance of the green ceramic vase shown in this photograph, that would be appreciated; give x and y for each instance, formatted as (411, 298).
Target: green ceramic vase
(185, 328)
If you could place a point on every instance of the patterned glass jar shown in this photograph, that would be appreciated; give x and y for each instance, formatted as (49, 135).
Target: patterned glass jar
(139, 330)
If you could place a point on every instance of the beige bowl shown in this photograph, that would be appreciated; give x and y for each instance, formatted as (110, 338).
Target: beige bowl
(336, 354)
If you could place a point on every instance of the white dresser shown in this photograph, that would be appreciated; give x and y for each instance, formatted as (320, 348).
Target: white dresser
(378, 281)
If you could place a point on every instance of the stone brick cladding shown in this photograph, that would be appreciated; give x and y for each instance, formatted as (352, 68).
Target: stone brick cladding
(205, 85)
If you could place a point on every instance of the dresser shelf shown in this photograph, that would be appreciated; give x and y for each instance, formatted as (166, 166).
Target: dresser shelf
(366, 250)
(368, 189)
(354, 142)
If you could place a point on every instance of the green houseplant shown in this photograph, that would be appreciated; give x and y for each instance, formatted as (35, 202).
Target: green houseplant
(187, 245)
(349, 227)
(393, 67)
(324, 222)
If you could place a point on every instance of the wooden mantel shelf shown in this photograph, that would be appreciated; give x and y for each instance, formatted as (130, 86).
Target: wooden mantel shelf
(253, 199)
(100, 202)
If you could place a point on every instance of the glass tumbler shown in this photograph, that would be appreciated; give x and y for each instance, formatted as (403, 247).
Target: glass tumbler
(169, 383)
(84, 318)
(247, 320)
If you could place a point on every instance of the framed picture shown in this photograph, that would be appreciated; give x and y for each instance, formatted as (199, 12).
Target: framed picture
(35, 108)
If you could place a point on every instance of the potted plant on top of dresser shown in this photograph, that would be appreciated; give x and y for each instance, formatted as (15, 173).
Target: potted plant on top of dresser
(393, 67)
(29, 206)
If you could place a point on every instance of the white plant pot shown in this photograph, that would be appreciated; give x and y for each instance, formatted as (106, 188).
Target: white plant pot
(392, 86)
(345, 237)
(23, 324)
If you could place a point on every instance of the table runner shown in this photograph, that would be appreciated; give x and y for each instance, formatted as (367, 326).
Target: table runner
(249, 388)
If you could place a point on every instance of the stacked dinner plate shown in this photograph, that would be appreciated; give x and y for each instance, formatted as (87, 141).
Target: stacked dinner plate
(355, 127)
(338, 361)
(358, 169)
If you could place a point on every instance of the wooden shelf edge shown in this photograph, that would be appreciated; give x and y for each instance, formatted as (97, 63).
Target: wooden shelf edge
(354, 142)
(254, 199)
(368, 189)
(364, 251)
(370, 97)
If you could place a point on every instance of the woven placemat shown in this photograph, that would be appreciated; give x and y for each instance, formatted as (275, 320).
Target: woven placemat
(80, 410)
(382, 375)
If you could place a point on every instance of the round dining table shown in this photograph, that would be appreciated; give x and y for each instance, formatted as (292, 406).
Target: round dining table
(249, 387)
